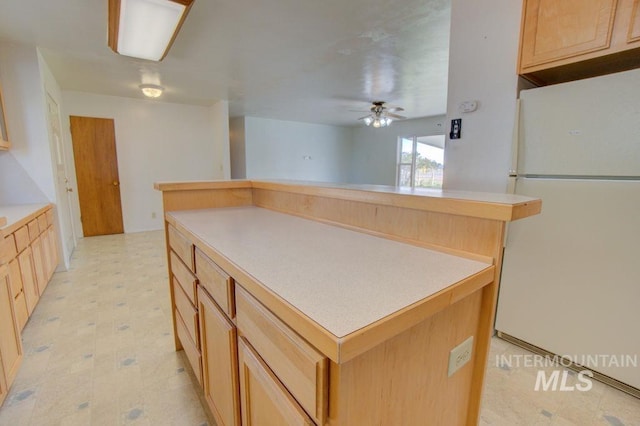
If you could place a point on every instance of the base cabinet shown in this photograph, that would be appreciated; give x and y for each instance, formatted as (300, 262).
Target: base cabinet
(219, 361)
(264, 399)
(29, 283)
(10, 343)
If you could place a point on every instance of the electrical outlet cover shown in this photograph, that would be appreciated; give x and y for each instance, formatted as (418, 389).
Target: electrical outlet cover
(460, 355)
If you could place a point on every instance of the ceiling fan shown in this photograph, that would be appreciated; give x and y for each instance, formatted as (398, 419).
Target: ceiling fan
(380, 115)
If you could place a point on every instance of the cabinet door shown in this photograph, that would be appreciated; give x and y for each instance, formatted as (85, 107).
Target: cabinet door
(29, 284)
(555, 30)
(264, 400)
(52, 251)
(219, 361)
(10, 343)
(19, 302)
(39, 264)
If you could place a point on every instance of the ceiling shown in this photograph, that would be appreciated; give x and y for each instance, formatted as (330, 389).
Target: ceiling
(299, 60)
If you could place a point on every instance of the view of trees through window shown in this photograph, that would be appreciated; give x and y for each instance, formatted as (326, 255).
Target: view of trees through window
(421, 161)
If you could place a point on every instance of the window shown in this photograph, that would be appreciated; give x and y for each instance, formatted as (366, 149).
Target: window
(421, 161)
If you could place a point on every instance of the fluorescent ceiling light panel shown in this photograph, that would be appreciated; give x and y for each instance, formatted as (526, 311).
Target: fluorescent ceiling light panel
(145, 28)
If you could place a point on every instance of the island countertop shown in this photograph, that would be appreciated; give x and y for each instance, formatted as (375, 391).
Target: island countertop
(341, 279)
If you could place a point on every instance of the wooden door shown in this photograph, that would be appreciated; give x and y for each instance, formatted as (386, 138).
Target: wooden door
(10, 343)
(219, 361)
(94, 151)
(555, 30)
(264, 399)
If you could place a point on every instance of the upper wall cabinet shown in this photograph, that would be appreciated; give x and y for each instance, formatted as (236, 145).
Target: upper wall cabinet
(565, 40)
(4, 136)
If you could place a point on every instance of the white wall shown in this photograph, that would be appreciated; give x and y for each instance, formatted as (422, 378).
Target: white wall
(155, 141)
(277, 149)
(237, 148)
(16, 186)
(220, 122)
(375, 151)
(25, 114)
(482, 66)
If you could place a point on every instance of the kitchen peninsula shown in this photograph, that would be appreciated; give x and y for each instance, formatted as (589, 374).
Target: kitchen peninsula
(309, 303)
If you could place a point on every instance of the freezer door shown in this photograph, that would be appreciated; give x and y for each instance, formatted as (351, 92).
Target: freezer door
(571, 275)
(587, 127)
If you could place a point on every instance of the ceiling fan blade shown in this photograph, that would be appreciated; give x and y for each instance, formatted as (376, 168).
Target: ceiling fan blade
(396, 116)
(395, 109)
(362, 118)
(359, 110)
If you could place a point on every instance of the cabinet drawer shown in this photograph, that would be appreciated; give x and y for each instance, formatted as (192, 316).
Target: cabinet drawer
(190, 349)
(34, 229)
(217, 282)
(42, 222)
(8, 248)
(187, 312)
(300, 367)
(262, 395)
(49, 217)
(22, 238)
(184, 277)
(181, 246)
(15, 277)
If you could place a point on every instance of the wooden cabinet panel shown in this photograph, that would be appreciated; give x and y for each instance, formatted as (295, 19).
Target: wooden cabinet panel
(181, 246)
(19, 302)
(556, 30)
(52, 252)
(189, 346)
(49, 215)
(29, 284)
(217, 282)
(42, 222)
(187, 312)
(634, 23)
(10, 343)
(39, 264)
(184, 277)
(22, 238)
(219, 361)
(302, 369)
(4, 389)
(8, 248)
(264, 400)
(34, 229)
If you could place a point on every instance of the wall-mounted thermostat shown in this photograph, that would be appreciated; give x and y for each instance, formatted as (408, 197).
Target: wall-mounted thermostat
(468, 106)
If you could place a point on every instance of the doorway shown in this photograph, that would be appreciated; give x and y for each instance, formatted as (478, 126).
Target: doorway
(95, 158)
(63, 187)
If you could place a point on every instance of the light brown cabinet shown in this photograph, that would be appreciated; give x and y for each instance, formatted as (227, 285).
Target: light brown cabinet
(219, 361)
(265, 400)
(10, 343)
(573, 39)
(29, 283)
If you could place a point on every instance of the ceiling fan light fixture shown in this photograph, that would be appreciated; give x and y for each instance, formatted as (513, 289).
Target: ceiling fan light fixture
(145, 29)
(368, 120)
(151, 90)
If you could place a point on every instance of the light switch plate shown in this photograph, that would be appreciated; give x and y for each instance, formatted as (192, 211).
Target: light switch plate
(460, 355)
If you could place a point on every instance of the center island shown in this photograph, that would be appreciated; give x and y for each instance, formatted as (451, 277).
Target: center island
(328, 304)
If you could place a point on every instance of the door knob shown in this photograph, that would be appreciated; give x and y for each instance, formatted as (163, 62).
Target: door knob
(115, 183)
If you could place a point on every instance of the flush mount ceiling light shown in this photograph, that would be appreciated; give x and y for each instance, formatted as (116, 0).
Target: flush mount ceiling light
(145, 29)
(151, 90)
(380, 115)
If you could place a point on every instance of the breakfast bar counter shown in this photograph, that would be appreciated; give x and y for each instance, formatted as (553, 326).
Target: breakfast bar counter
(333, 304)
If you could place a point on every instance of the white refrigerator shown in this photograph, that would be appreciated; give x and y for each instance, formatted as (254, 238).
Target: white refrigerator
(571, 275)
